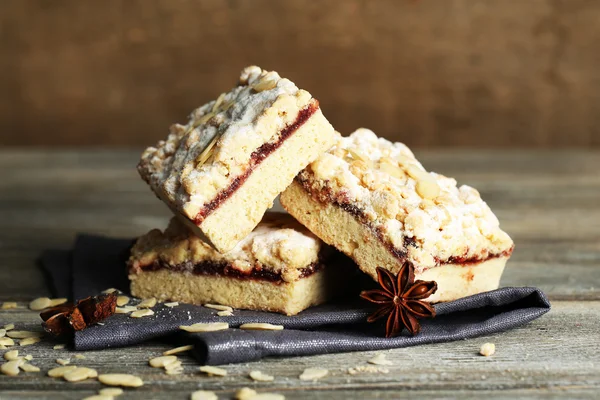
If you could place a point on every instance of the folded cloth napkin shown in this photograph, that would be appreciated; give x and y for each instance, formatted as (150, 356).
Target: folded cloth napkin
(97, 263)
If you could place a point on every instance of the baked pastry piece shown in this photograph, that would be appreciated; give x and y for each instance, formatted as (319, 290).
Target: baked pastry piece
(375, 202)
(222, 170)
(280, 267)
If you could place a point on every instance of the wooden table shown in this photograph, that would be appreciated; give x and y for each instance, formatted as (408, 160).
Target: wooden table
(549, 202)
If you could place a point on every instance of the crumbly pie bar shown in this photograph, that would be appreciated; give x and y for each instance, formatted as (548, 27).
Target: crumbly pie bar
(392, 210)
(279, 267)
(222, 170)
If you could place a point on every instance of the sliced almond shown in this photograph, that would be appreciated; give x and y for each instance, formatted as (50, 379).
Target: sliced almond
(122, 300)
(23, 334)
(259, 326)
(173, 365)
(416, 173)
(312, 374)
(260, 377)
(218, 102)
(11, 368)
(40, 303)
(59, 372)
(245, 393)
(267, 83)
(29, 368)
(147, 303)
(160, 362)
(141, 313)
(357, 155)
(80, 374)
(428, 189)
(28, 357)
(11, 355)
(6, 341)
(8, 305)
(225, 313)
(111, 391)
(126, 380)
(80, 356)
(125, 310)
(29, 340)
(218, 307)
(63, 361)
(212, 371)
(174, 371)
(203, 395)
(59, 346)
(204, 119)
(172, 304)
(9, 327)
(2, 332)
(487, 349)
(380, 359)
(205, 327)
(178, 350)
(58, 302)
(108, 291)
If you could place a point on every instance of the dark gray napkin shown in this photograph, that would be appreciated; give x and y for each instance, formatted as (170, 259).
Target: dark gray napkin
(97, 263)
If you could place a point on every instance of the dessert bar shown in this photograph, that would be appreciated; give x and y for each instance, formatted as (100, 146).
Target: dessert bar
(279, 267)
(372, 200)
(222, 170)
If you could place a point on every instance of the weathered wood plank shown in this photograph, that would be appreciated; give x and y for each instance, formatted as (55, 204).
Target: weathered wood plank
(555, 355)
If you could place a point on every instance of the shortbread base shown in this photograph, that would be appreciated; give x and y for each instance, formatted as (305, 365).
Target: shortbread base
(362, 245)
(253, 294)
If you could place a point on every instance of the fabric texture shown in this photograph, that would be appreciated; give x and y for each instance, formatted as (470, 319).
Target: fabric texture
(97, 263)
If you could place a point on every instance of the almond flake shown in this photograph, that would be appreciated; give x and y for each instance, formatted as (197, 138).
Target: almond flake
(160, 362)
(147, 303)
(368, 369)
(63, 361)
(80, 356)
(125, 310)
(7, 305)
(487, 349)
(28, 357)
(11, 355)
(259, 326)
(260, 377)
(178, 350)
(6, 341)
(40, 303)
(80, 374)
(428, 189)
(59, 346)
(218, 307)
(174, 371)
(108, 291)
(266, 83)
(203, 395)
(2, 332)
(173, 365)
(380, 359)
(141, 313)
(122, 300)
(29, 340)
(357, 155)
(59, 372)
(29, 368)
(312, 374)
(218, 102)
(58, 302)
(9, 327)
(225, 313)
(172, 304)
(11, 368)
(121, 380)
(111, 391)
(416, 173)
(204, 119)
(245, 393)
(212, 371)
(205, 327)
(23, 334)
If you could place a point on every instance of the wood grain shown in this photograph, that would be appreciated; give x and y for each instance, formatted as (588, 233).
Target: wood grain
(490, 73)
(552, 356)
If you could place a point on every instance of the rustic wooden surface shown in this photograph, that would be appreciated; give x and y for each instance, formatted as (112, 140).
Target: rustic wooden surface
(547, 201)
(426, 72)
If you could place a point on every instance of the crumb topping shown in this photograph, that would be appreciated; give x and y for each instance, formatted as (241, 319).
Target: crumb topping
(204, 156)
(278, 244)
(421, 214)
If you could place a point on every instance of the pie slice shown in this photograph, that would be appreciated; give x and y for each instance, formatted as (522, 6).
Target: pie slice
(279, 267)
(222, 170)
(372, 200)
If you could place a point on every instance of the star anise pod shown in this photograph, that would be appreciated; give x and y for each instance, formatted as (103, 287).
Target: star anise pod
(67, 318)
(400, 300)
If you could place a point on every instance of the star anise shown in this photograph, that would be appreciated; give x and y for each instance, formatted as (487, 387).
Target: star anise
(400, 300)
(69, 317)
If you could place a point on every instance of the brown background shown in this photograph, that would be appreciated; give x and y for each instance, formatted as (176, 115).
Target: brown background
(505, 73)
